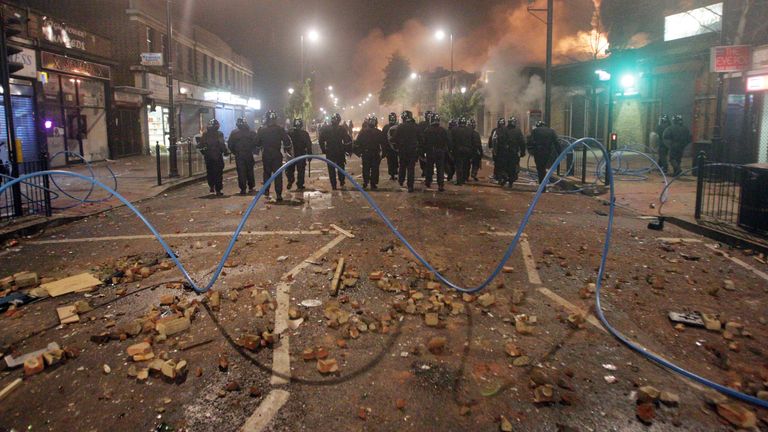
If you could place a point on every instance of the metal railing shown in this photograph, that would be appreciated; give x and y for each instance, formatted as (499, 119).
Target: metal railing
(28, 198)
(190, 161)
(732, 195)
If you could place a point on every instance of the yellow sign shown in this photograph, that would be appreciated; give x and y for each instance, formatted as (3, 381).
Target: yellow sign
(19, 154)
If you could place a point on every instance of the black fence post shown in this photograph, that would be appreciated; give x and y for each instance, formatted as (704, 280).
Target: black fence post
(583, 164)
(701, 160)
(157, 157)
(189, 157)
(46, 184)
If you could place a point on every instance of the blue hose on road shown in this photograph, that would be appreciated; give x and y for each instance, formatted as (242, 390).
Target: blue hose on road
(598, 286)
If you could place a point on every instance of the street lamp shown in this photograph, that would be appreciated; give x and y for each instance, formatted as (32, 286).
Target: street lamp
(290, 90)
(414, 75)
(463, 90)
(313, 37)
(440, 35)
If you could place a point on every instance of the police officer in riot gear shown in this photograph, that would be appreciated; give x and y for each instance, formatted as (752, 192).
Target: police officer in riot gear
(493, 146)
(212, 147)
(242, 143)
(664, 123)
(462, 137)
(542, 143)
(518, 149)
(391, 153)
(436, 144)
(676, 137)
(423, 125)
(302, 145)
(272, 140)
(450, 163)
(370, 144)
(477, 150)
(335, 142)
(407, 142)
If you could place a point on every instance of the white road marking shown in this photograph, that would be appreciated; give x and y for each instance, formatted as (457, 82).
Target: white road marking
(530, 264)
(343, 231)
(572, 308)
(739, 262)
(173, 235)
(281, 360)
(266, 411)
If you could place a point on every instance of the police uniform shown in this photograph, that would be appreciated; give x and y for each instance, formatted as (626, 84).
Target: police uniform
(272, 140)
(242, 143)
(302, 145)
(334, 142)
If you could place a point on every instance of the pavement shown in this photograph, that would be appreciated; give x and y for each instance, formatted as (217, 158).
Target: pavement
(272, 348)
(133, 177)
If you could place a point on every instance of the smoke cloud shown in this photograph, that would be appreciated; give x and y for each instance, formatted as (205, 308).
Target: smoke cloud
(510, 39)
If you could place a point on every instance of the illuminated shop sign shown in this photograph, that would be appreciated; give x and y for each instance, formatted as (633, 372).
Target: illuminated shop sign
(694, 22)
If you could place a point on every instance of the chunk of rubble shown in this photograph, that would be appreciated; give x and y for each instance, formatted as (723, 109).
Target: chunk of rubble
(486, 300)
(737, 415)
(327, 366)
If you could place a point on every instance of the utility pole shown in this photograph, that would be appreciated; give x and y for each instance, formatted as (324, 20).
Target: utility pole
(173, 170)
(717, 132)
(548, 70)
(451, 78)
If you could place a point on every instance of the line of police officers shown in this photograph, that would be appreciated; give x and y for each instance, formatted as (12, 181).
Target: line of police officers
(445, 152)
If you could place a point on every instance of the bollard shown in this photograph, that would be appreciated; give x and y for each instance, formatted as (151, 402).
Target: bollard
(157, 157)
(189, 158)
(701, 160)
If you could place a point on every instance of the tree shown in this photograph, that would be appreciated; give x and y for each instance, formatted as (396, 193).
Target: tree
(461, 104)
(396, 74)
(300, 103)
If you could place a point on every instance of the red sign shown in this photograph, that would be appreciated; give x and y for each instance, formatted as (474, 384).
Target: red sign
(734, 58)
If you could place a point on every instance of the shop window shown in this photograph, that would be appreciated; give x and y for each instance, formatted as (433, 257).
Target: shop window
(212, 76)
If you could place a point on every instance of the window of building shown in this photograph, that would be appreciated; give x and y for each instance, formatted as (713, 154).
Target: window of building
(212, 76)
(205, 67)
(190, 61)
(150, 39)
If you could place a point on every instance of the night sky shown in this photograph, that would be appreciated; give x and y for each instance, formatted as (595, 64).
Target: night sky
(268, 32)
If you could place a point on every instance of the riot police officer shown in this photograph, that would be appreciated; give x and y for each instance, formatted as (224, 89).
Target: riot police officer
(272, 140)
(462, 137)
(664, 123)
(436, 144)
(450, 163)
(423, 125)
(676, 137)
(477, 150)
(212, 147)
(242, 143)
(370, 144)
(407, 142)
(542, 143)
(302, 145)
(493, 146)
(391, 153)
(518, 149)
(335, 142)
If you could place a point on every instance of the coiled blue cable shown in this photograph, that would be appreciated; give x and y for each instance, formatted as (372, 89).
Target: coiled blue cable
(598, 285)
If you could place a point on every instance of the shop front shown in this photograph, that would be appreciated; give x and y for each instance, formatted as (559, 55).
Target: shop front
(75, 94)
(757, 99)
(24, 113)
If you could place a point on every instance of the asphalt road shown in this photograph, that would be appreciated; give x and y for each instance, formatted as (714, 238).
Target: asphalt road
(410, 354)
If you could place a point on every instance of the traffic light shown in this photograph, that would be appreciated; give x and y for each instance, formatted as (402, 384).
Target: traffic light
(614, 141)
(11, 27)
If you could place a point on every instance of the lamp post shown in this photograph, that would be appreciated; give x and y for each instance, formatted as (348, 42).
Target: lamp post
(313, 37)
(440, 35)
(173, 169)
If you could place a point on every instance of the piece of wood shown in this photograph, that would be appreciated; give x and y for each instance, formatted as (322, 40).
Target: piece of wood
(78, 283)
(337, 277)
(9, 388)
(173, 326)
(343, 231)
(68, 314)
(18, 361)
